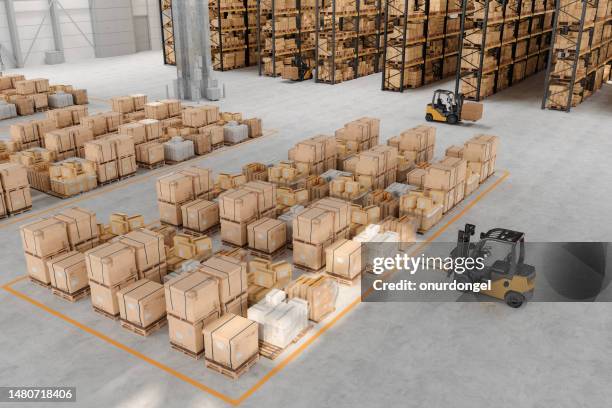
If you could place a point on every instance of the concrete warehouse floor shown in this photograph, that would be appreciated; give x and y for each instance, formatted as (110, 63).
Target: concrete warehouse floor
(383, 354)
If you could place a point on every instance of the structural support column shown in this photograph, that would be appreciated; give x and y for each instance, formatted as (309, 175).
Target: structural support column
(13, 30)
(195, 76)
(57, 56)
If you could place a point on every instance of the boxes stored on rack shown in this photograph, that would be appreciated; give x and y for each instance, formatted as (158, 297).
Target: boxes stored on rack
(200, 215)
(137, 131)
(142, 303)
(229, 333)
(280, 323)
(68, 272)
(267, 235)
(321, 293)
(234, 232)
(201, 143)
(215, 132)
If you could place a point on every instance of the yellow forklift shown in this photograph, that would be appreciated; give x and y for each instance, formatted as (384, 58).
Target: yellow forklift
(450, 107)
(503, 250)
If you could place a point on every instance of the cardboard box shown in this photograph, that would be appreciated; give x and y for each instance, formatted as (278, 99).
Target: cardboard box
(340, 208)
(111, 263)
(153, 128)
(105, 297)
(156, 110)
(122, 104)
(194, 117)
(471, 111)
(80, 225)
(201, 179)
(142, 303)
(234, 232)
(238, 205)
(268, 274)
(175, 188)
(136, 131)
(230, 273)
(343, 258)
(190, 247)
(18, 199)
(45, 237)
(170, 213)
(267, 235)
(321, 293)
(200, 215)
(266, 194)
(189, 335)
(68, 272)
(313, 225)
(149, 152)
(231, 340)
(25, 87)
(454, 151)
(38, 267)
(148, 247)
(238, 306)
(192, 296)
(311, 256)
(13, 176)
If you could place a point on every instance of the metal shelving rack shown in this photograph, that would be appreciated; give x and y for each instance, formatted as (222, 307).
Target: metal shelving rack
(574, 70)
(482, 59)
(337, 28)
(167, 31)
(429, 65)
(219, 35)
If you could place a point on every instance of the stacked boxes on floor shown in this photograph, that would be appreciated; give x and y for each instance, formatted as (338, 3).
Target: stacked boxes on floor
(321, 293)
(131, 107)
(201, 128)
(377, 167)
(343, 259)
(315, 155)
(146, 134)
(15, 196)
(36, 161)
(386, 201)
(227, 181)
(267, 235)
(480, 152)
(177, 189)
(148, 247)
(31, 134)
(68, 273)
(163, 109)
(72, 176)
(445, 182)
(416, 145)
(200, 215)
(226, 335)
(254, 126)
(266, 275)
(280, 320)
(418, 205)
(121, 224)
(285, 174)
(66, 117)
(68, 142)
(187, 247)
(142, 304)
(231, 275)
(363, 216)
(42, 241)
(178, 149)
(110, 268)
(316, 228)
(103, 123)
(346, 188)
(357, 136)
(81, 227)
(113, 155)
(255, 171)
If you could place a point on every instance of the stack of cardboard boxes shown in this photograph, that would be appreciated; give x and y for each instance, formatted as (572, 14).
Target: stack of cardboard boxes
(42, 241)
(361, 216)
(321, 293)
(285, 174)
(15, 196)
(422, 208)
(255, 172)
(317, 227)
(357, 136)
(142, 306)
(72, 176)
(231, 332)
(69, 141)
(315, 155)
(202, 129)
(65, 117)
(146, 135)
(416, 144)
(163, 109)
(81, 228)
(68, 275)
(103, 123)
(267, 236)
(131, 107)
(31, 134)
(346, 188)
(113, 155)
(265, 275)
(177, 189)
(480, 152)
(343, 260)
(36, 161)
(228, 181)
(377, 167)
(387, 202)
(200, 215)
(150, 253)
(445, 182)
(187, 247)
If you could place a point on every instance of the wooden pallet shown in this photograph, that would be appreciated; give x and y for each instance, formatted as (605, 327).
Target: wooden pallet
(172, 162)
(151, 166)
(324, 316)
(343, 280)
(228, 372)
(218, 146)
(21, 211)
(43, 109)
(72, 297)
(229, 244)
(144, 331)
(307, 269)
(269, 256)
(271, 351)
(105, 314)
(195, 356)
(210, 231)
(39, 283)
(116, 180)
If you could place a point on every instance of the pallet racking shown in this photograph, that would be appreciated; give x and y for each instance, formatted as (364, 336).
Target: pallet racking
(582, 53)
(421, 42)
(348, 39)
(503, 43)
(167, 31)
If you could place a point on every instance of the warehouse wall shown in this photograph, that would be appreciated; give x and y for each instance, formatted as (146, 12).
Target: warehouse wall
(30, 13)
(150, 9)
(113, 27)
(5, 38)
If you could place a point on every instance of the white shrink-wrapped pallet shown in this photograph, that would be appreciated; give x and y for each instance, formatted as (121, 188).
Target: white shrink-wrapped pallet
(178, 149)
(280, 324)
(233, 132)
(60, 100)
(7, 110)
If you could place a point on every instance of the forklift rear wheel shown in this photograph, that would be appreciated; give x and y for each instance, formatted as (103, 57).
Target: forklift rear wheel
(429, 117)
(452, 119)
(514, 299)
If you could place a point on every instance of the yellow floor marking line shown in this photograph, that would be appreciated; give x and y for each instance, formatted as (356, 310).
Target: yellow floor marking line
(283, 363)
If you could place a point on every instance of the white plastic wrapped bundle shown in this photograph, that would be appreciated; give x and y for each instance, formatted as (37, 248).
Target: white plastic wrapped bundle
(7, 110)
(332, 174)
(399, 189)
(288, 217)
(380, 243)
(233, 132)
(275, 296)
(280, 324)
(177, 149)
(60, 100)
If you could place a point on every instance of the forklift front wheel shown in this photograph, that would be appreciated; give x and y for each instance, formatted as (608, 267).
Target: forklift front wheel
(452, 119)
(514, 299)
(429, 117)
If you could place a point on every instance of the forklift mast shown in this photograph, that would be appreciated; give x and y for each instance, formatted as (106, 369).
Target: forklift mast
(463, 240)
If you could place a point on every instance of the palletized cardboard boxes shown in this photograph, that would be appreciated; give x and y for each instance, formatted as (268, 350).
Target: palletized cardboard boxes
(343, 258)
(68, 272)
(231, 340)
(313, 225)
(142, 303)
(200, 215)
(238, 205)
(81, 225)
(148, 248)
(267, 235)
(321, 292)
(188, 335)
(45, 237)
(192, 296)
(231, 274)
(111, 263)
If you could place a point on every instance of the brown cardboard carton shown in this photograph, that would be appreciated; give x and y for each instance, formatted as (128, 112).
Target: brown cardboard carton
(105, 297)
(267, 234)
(440, 177)
(45, 237)
(194, 117)
(471, 111)
(460, 166)
(175, 188)
(25, 87)
(126, 166)
(267, 274)
(136, 131)
(200, 215)
(320, 291)
(312, 256)
(476, 150)
(79, 96)
(142, 303)
(340, 208)
(111, 263)
(238, 205)
(189, 335)
(189, 247)
(266, 194)
(107, 171)
(238, 306)
(343, 258)
(170, 213)
(100, 151)
(234, 232)
(454, 151)
(22, 132)
(231, 274)
(68, 272)
(122, 104)
(17, 200)
(97, 123)
(313, 225)
(231, 340)
(153, 128)
(38, 267)
(148, 246)
(12, 176)
(80, 225)
(149, 152)
(156, 110)
(201, 179)
(192, 296)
